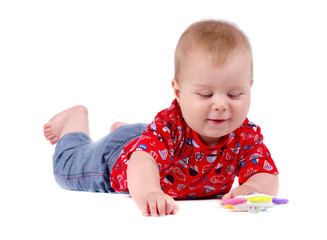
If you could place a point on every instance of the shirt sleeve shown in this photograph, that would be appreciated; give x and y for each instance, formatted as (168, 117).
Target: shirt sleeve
(159, 140)
(255, 156)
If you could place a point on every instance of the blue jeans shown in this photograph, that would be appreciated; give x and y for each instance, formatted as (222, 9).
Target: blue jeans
(83, 165)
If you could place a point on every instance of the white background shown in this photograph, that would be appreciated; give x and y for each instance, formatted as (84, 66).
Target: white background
(116, 58)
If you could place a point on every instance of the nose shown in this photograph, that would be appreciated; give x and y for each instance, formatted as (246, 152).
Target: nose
(219, 104)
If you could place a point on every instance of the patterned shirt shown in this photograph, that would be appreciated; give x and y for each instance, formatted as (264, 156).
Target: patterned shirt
(187, 167)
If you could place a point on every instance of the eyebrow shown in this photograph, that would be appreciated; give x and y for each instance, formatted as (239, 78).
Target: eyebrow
(200, 85)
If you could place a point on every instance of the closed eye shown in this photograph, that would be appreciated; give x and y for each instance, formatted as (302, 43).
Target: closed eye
(205, 95)
(234, 96)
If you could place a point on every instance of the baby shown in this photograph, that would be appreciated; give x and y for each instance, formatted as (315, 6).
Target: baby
(193, 149)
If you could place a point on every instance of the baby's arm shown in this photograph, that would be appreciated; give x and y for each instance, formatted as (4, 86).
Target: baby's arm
(260, 183)
(144, 186)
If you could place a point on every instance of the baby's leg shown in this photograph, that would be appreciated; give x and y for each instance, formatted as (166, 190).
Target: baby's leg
(74, 119)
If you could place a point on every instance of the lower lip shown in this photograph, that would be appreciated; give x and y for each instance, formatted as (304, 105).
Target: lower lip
(217, 122)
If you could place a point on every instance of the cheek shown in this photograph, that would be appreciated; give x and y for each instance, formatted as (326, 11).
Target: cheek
(192, 109)
(241, 108)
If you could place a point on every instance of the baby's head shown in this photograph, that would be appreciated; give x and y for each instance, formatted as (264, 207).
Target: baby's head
(217, 40)
(213, 78)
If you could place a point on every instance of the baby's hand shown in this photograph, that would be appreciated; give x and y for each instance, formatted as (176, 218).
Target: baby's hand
(157, 204)
(239, 191)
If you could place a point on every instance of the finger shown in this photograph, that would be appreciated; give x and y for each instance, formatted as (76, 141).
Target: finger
(153, 207)
(226, 196)
(239, 191)
(175, 209)
(161, 204)
(145, 210)
(170, 204)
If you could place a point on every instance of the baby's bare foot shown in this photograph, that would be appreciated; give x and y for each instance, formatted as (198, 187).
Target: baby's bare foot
(53, 129)
(116, 125)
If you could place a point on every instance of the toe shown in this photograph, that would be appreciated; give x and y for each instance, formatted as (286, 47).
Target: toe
(47, 134)
(47, 125)
(50, 137)
(54, 140)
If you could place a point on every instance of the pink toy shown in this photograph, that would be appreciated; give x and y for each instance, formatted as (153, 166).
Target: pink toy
(253, 203)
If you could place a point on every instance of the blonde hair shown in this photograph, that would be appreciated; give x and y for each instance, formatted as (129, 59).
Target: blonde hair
(215, 38)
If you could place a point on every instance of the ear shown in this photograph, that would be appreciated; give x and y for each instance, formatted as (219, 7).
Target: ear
(251, 83)
(176, 89)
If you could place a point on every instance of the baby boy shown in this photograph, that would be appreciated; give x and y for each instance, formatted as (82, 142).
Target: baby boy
(193, 149)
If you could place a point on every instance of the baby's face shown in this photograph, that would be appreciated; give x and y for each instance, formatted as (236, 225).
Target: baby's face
(214, 100)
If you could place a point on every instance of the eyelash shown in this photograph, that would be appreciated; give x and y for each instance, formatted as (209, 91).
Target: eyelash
(205, 95)
(234, 96)
(229, 95)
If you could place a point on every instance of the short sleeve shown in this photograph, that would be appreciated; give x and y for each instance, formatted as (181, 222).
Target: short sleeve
(255, 156)
(159, 139)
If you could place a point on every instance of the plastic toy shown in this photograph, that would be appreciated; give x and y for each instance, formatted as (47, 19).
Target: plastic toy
(253, 203)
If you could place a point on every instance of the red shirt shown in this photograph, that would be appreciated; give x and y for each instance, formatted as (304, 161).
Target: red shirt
(187, 167)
